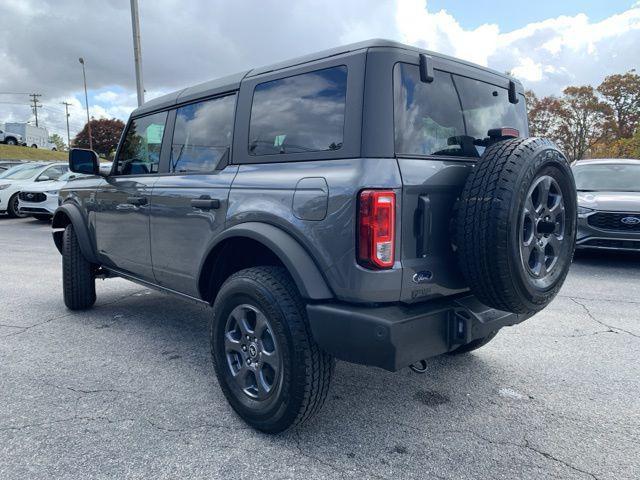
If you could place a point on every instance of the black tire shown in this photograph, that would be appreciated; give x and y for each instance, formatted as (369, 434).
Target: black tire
(78, 274)
(42, 217)
(300, 381)
(11, 141)
(474, 344)
(34, 146)
(497, 212)
(12, 207)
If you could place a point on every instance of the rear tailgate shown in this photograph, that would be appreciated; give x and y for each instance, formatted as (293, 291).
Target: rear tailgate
(430, 189)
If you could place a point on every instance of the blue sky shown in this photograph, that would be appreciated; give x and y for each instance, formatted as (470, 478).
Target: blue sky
(510, 14)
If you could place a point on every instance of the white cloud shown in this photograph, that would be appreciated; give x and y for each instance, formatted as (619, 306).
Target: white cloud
(184, 43)
(546, 56)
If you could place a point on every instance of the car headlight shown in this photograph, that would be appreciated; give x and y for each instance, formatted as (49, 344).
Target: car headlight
(584, 210)
(6, 185)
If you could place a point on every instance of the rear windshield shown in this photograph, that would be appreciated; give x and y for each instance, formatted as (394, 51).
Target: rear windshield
(451, 115)
(612, 177)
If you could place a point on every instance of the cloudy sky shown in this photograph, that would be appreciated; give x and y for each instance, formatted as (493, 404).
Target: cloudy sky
(548, 44)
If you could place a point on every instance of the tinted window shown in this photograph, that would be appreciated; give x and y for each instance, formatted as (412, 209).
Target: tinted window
(487, 106)
(140, 152)
(427, 115)
(303, 113)
(202, 135)
(451, 115)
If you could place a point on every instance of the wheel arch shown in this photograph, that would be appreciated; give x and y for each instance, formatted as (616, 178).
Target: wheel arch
(69, 213)
(268, 243)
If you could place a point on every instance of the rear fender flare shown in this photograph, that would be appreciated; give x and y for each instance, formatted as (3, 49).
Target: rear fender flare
(304, 271)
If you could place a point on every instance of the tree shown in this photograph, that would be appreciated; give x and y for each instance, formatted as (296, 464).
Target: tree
(582, 121)
(105, 134)
(544, 115)
(622, 94)
(58, 142)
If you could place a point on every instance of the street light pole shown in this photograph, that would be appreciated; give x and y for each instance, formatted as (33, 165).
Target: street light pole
(137, 50)
(86, 101)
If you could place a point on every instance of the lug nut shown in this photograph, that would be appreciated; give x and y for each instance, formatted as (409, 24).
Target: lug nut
(244, 348)
(248, 361)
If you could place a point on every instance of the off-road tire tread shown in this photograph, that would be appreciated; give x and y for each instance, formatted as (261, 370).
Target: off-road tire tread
(482, 222)
(78, 279)
(318, 365)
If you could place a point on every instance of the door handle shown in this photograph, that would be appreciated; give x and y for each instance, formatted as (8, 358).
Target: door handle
(137, 201)
(205, 203)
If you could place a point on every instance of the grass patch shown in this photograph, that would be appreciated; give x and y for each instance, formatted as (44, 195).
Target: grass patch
(11, 152)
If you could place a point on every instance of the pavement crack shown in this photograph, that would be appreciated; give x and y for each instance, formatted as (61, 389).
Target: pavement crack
(194, 427)
(611, 328)
(527, 446)
(549, 456)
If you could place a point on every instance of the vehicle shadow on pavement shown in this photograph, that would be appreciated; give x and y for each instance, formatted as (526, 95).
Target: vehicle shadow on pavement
(369, 412)
(608, 258)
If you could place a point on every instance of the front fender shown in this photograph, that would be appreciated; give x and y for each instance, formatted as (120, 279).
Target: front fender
(69, 213)
(295, 258)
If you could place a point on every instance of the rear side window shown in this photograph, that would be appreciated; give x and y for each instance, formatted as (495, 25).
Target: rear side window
(140, 151)
(450, 115)
(302, 113)
(202, 135)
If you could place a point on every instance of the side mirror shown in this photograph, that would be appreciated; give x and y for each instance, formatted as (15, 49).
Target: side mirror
(84, 161)
(43, 178)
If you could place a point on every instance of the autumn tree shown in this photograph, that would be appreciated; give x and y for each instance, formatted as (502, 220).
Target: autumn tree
(105, 134)
(622, 94)
(544, 115)
(583, 121)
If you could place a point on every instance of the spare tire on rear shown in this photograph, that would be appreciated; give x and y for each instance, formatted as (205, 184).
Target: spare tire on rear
(516, 225)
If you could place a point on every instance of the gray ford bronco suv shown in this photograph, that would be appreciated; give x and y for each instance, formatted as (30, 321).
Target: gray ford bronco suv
(374, 203)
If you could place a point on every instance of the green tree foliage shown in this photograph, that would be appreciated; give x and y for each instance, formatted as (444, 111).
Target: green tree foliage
(58, 142)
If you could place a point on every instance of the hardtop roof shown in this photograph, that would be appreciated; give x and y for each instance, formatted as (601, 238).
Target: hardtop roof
(232, 82)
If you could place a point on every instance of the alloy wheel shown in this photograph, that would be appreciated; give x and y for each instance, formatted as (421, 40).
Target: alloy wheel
(252, 352)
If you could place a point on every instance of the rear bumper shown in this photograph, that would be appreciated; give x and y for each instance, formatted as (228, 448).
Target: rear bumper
(396, 336)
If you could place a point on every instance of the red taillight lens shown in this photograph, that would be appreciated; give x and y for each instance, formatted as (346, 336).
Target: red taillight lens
(377, 228)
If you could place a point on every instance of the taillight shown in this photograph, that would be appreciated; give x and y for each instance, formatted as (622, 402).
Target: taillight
(376, 228)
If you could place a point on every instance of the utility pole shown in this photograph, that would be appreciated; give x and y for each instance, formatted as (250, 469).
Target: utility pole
(137, 51)
(66, 110)
(36, 105)
(86, 101)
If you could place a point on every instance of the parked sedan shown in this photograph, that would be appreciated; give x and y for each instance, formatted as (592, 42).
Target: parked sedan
(40, 199)
(12, 180)
(7, 164)
(608, 204)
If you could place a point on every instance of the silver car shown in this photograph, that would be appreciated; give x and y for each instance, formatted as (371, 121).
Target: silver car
(608, 203)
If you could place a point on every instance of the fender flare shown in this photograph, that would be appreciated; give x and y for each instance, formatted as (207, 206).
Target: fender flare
(69, 213)
(298, 262)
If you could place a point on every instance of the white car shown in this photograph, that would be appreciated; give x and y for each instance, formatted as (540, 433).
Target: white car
(12, 181)
(40, 199)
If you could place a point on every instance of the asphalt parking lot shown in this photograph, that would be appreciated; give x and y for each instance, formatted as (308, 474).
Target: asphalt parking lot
(127, 390)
